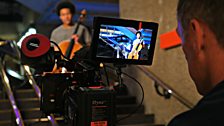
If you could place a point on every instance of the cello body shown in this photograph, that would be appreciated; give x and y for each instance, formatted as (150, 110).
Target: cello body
(64, 46)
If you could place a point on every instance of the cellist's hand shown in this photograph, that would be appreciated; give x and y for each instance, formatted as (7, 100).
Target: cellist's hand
(75, 37)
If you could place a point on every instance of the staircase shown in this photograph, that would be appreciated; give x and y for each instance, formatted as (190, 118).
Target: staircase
(29, 106)
(6, 113)
(126, 104)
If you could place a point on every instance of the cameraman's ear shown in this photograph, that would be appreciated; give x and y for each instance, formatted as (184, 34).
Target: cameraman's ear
(197, 32)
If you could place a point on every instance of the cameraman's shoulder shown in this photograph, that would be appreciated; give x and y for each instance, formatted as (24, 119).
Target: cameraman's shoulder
(180, 120)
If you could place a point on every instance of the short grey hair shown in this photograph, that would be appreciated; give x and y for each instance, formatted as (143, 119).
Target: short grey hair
(210, 12)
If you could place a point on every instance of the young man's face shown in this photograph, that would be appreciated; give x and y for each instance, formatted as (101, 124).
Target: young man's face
(66, 16)
(138, 35)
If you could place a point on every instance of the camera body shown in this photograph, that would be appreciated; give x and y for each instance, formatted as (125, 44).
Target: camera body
(94, 106)
(82, 106)
(72, 94)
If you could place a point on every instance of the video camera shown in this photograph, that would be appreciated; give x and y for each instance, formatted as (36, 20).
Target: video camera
(79, 94)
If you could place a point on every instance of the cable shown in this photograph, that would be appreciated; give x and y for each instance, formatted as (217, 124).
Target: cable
(140, 104)
(143, 95)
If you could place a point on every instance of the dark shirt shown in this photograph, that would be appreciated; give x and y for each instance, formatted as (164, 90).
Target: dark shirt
(208, 112)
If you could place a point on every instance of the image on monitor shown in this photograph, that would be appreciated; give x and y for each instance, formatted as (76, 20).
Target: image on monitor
(124, 41)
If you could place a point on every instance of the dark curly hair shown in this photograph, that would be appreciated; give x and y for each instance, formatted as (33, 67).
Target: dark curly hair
(65, 4)
(139, 33)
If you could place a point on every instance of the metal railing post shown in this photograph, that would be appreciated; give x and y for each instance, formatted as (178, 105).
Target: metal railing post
(5, 81)
(165, 86)
(38, 92)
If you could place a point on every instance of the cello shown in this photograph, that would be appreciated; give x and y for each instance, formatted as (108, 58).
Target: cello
(134, 54)
(68, 48)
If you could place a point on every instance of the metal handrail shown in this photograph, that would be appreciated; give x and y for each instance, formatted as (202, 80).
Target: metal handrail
(38, 92)
(5, 81)
(34, 84)
(165, 86)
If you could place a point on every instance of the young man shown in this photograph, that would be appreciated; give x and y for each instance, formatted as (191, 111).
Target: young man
(200, 24)
(137, 46)
(65, 32)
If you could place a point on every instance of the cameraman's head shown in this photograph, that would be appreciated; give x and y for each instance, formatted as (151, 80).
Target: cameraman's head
(66, 10)
(200, 26)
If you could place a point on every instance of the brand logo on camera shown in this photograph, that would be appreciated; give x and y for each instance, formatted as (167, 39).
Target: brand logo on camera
(95, 102)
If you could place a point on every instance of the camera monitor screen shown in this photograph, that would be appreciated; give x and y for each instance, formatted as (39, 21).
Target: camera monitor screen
(123, 41)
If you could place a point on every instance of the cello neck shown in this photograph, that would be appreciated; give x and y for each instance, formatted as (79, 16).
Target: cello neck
(72, 42)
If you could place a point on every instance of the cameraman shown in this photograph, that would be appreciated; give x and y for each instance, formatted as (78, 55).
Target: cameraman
(200, 24)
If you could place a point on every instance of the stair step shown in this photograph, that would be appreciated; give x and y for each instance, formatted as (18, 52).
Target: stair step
(28, 103)
(1, 94)
(34, 122)
(136, 119)
(143, 124)
(29, 106)
(21, 103)
(5, 104)
(22, 93)
(7, 123)
(126, 109)
(6, 115)
(26, 114)
(33, 113)
(43, 122)
(25, 93)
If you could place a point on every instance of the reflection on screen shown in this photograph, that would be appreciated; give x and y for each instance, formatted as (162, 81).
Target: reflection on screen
(124, 42)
